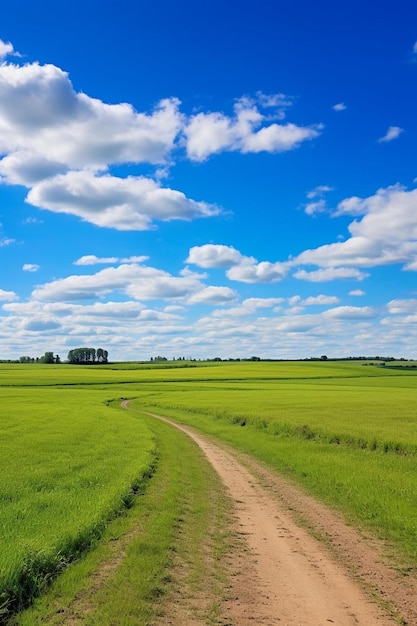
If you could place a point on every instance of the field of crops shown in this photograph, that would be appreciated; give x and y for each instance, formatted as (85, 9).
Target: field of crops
(345, 431)
(68, 463)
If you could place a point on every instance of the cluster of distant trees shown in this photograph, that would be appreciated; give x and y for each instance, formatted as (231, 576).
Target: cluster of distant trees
(48, 357)
(82, 356)
(79, 356)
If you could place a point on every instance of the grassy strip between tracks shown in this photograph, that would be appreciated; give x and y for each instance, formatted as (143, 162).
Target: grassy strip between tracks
(173, 538)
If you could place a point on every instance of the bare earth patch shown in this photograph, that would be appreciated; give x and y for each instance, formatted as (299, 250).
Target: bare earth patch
(288, 577)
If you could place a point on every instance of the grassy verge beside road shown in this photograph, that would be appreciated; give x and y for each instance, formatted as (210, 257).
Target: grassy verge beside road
(173, 539)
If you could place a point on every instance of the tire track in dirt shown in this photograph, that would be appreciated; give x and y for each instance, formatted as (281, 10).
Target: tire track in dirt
(288, 577)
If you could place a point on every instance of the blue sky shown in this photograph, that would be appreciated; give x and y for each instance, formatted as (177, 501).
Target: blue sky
(208, 179)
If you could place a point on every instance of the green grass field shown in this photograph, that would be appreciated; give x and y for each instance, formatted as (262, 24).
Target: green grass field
(70, 462)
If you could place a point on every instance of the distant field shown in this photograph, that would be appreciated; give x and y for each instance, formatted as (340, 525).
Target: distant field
(345, 430)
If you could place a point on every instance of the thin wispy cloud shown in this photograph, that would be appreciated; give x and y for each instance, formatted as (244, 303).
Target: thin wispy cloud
(392, 133)
(340, 106)
(30, 267)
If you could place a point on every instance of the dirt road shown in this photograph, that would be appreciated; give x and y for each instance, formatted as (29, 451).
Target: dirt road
(288, 577)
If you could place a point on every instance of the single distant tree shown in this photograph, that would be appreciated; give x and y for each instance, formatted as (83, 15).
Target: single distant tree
(48, 357)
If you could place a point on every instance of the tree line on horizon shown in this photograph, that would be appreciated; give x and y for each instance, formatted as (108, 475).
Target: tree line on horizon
(87, 355)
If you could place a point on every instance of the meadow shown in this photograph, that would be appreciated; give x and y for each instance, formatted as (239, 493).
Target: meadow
(72, 459)
(68, 464)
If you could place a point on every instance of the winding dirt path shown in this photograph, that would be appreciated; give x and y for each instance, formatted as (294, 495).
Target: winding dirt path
(288, 577)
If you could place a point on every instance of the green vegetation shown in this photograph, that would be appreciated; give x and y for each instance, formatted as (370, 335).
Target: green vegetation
(87, 355)
(179, 522)
(344, 430)
(69, 464)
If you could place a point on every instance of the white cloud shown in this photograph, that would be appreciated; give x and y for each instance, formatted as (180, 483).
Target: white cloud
(247, 131)
(7, 49)
(392, 133)
(214, 255)
(340, 106)
(411, 266)
(92, 259)
(320, 300)
(6, 241)
(312, 208)
(72, 129)
(386, 234)
(318, 204)
(139, 282)
(130, 203)
(278, 101)
(357, 292)
(248, 307)
(32, 220)
(415, 48)
(402, 306)
(263, 272)
(8, 295)
(30, 267)
(213, 295)
(351, 312)
(25, 168)
(253, 304)
(240, 268)
(331, 273)
(319, 191)
(63, 149)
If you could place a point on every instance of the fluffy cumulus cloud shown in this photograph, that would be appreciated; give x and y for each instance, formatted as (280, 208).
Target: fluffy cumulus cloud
(62, 151)
(71, 129)
(7, 49)
(351, 312)
(386, 233)
(214, 295)
(214, 255)
(240, 268)
(254, 272)
(137, 281)
(8, 295)
(340, 106)
(383, 232)
(248, 130)
(130, 203)
(402, 306)
(134, 281)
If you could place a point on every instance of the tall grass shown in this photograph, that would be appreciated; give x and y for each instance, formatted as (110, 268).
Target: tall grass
(69, 463)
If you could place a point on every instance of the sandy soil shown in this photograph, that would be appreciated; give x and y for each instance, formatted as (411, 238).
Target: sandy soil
(286, 576)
